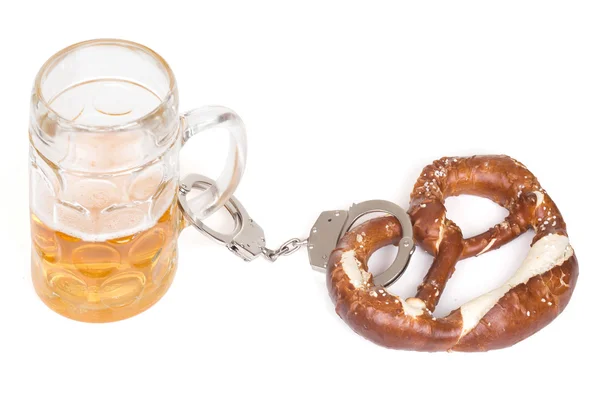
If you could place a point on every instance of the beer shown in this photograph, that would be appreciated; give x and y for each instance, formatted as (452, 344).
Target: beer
(104, 281)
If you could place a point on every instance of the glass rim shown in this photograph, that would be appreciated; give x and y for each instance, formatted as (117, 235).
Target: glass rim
(54, 59)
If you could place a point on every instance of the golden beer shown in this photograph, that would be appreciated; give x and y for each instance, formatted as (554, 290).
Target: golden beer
(104, 281)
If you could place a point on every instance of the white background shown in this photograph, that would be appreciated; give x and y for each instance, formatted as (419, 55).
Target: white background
(343, 102)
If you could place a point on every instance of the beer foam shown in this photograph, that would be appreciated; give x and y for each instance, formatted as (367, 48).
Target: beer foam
(97, 207)
(98, 227)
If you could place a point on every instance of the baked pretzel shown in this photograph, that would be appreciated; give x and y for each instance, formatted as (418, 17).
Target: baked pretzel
(538, 291)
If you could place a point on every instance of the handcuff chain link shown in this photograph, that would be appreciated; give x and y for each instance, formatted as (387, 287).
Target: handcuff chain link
(289, 247)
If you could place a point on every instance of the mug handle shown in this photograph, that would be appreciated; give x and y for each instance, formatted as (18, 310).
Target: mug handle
(201, 120)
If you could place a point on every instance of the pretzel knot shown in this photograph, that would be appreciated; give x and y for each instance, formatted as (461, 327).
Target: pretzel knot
(537, 292)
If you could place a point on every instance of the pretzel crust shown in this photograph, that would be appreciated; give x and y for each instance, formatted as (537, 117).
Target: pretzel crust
(538, 291)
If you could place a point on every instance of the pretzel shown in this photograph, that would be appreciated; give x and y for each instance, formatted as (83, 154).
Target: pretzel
(537, 292)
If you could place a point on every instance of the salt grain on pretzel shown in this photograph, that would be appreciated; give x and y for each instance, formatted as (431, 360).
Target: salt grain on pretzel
(537, 292)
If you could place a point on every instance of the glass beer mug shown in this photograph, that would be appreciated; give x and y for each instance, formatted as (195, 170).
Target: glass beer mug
(105, 135)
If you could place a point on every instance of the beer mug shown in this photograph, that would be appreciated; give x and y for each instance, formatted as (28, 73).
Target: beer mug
(105, 135)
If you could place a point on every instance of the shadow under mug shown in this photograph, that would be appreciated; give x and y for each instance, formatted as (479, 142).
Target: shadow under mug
(105, 135)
